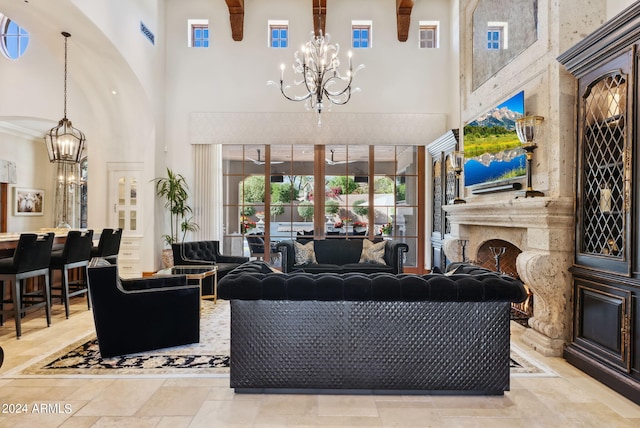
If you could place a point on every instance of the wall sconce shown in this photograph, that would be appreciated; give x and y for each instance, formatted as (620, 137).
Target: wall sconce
(528, 130)
(457, 161)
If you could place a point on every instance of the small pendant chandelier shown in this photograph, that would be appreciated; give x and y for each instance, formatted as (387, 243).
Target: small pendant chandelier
(64, 142)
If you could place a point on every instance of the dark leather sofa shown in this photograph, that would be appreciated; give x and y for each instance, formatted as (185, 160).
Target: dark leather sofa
(141, 314)
(369, 333)
(341, 256)
(205, 253)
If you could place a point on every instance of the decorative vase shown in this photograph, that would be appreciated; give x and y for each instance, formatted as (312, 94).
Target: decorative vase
(167, 258)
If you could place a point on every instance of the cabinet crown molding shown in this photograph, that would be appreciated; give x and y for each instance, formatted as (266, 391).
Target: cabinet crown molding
(616, 34)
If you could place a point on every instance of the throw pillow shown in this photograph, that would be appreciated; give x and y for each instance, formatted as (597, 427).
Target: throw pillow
(304, 253)
(372, 252)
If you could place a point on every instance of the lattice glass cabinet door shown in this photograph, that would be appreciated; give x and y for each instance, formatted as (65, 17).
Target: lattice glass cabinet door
(605, 156)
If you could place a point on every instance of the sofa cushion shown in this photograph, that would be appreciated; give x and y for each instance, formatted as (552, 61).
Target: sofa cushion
(366, 268)
(305, 254)
(328, 251)
(318, 268)
(372, 252)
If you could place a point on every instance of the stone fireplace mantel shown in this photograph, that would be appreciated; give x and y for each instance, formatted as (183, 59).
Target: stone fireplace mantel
(543, 228)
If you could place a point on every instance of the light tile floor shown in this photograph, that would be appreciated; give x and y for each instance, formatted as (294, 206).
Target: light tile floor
(571, 399)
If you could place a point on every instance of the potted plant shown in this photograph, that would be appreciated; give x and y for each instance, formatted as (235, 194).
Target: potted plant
(306, 209)
(174, 189)
(359, 226)
(246, 224)
(386, 229)
(277, 208)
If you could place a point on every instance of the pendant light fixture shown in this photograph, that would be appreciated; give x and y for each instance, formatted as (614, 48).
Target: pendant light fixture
(64, 142)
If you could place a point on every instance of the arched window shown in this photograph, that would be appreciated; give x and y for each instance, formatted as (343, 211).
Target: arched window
(13, 38)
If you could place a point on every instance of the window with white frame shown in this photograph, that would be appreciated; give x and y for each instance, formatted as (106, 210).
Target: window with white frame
(13, 38)
(198, 34)
(429, 34)
(361, 34)
(278, 33)
(497, 35)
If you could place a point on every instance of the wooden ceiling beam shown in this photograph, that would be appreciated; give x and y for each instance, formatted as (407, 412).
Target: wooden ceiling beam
(403, 15)
(236, 17)
(319, 16)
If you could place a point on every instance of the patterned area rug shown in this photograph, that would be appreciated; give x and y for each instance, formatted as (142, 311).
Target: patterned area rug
(522, 365)
(209, 357)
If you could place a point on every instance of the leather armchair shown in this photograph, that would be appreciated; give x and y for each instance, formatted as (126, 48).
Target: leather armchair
(142, 314)
(205, 253)
(257, 247)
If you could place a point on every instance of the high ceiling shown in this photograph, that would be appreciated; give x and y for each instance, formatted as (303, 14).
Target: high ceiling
(319, 11)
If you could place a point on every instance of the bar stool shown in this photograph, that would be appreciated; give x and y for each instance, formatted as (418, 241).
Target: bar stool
(30, 260)
(108, 246)
(75, 254)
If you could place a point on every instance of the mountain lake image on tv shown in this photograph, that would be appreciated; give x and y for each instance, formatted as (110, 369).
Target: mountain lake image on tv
(492, 149)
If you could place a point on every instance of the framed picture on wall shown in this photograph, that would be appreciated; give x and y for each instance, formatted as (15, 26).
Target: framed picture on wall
(28, 201)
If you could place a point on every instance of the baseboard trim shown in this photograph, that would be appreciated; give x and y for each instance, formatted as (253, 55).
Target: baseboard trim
(618, 381)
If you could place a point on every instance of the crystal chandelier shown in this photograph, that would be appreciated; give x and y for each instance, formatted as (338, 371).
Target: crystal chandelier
(64, 142)
(319, 67)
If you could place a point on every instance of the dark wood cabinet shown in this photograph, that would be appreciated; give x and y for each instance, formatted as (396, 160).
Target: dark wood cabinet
(606, 273)
(443, 191)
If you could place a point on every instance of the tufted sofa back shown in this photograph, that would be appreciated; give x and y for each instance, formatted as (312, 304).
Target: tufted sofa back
(249, 283)
(197, 250)
(338, 252)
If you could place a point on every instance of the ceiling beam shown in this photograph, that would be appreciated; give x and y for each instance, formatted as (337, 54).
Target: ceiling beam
(319, 16)
(403, 15)
(236, 17)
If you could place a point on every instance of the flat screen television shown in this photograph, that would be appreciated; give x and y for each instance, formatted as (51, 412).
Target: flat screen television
(492, 150)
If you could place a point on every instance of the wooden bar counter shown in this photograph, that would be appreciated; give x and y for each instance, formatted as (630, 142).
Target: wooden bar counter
(9, 241)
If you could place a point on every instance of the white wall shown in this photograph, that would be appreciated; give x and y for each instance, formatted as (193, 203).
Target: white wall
(147, 119)
(614, 7)
(32, 171)
(231, 76)
(114, 94)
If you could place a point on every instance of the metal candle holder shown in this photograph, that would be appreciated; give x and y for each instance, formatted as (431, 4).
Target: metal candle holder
(497, 252)
(463, 244)
(457, 163)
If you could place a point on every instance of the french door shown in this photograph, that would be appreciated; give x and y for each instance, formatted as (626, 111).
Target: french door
(285, 192)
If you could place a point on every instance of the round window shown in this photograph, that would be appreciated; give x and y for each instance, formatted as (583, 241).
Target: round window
(13, 38)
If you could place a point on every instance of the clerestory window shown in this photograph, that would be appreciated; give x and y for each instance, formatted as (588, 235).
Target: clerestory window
(198, 36)
(278, 34)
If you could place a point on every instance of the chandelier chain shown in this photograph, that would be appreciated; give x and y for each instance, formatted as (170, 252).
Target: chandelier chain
(66, 39)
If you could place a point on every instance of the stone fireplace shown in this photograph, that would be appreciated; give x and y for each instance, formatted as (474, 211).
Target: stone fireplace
(543, 229)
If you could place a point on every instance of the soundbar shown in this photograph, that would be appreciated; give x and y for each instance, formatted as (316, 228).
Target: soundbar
(497, 188)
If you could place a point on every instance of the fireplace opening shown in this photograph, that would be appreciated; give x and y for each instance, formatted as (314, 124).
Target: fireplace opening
(500, 256)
